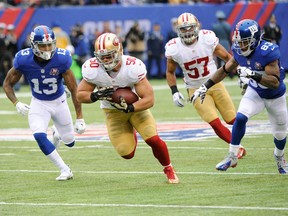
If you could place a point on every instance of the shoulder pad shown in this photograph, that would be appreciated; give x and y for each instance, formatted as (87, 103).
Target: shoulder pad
(88, 73)
(171, 47)
(138, 72)
(270, 51)
(208, 36)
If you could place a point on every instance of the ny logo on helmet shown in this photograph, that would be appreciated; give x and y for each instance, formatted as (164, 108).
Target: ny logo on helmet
(253, 29)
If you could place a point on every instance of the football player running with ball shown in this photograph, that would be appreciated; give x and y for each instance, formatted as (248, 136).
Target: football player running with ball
(109, 70)
(45, 66)
(194, 51)
(260, 62)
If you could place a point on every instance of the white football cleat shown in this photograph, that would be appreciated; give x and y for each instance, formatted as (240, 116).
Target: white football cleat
(56, 137)
(65, 176)
(229, 161)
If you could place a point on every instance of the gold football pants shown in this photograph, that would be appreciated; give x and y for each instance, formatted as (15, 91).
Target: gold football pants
(217, 99)
(121, 126)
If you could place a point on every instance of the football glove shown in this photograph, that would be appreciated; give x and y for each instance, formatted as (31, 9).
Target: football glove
(245, 72)
(22, 108)
(200, 92)
(104, 93)
(243, 84)
(178, 99)
(123, 106)
(80, 126)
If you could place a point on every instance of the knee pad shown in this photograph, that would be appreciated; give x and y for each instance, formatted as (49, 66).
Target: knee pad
(44, 144)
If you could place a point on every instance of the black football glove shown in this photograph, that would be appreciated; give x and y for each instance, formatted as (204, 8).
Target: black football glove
(104, 93)
(123, 106)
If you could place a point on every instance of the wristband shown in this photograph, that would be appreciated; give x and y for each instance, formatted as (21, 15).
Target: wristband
(174, 89)
(209, 83)
(223, 67)
(257, 77)
(93, 98)
(277, 77)
(130, 108)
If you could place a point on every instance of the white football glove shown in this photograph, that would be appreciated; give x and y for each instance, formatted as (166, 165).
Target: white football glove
(200, 92)
(22, 108)
(178, 99)
(245, 72)
(80, 126)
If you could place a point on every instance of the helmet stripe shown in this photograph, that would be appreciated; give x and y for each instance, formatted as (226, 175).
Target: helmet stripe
(45, 32)
(102, 41)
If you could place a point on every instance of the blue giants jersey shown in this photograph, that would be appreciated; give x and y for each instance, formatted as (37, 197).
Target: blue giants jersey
(264, 54)
(45, 79)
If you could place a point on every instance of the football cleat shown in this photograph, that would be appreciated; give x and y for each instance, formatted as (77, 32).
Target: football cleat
(241, 152)
(65, 176)
(56, 137)
(171, 175)
(229, 161)
(281, 164)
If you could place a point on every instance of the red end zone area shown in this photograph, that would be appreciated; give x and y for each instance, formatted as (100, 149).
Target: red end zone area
(169, 131)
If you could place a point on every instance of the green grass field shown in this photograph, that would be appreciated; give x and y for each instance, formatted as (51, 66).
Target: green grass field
(106, 184)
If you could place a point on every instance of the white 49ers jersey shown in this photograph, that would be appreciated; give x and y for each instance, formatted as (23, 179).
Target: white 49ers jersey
(131, 72)
(196, 60)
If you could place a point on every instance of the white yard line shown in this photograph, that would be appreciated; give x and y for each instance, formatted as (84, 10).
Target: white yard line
(147, 206)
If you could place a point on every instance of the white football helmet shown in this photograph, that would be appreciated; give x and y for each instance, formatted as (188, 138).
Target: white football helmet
(108, 51)
(188, 28)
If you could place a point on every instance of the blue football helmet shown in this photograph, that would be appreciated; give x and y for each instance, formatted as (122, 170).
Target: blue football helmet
(44, 36)
(246, 37)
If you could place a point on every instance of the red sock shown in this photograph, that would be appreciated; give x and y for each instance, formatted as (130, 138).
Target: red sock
(223, 132)
(160, 150)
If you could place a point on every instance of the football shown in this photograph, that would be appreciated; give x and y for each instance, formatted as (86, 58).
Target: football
(126, 92)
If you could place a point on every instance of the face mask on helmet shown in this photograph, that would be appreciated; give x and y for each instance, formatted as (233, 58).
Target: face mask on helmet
(108, 51)
(187, 28)
(43, 42)
(246, 37)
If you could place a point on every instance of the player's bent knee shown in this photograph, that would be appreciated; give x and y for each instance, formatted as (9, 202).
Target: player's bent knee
(44, 144)
(125, 151)
(70, 144)
(129, 156)
(241, 118)
(68, 139)
(280, 135)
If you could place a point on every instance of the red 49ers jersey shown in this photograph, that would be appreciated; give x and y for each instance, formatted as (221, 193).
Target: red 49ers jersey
(196, 60)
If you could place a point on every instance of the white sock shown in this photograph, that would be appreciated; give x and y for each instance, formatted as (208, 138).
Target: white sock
(234, 149)
(278, 152)
(58, 161)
